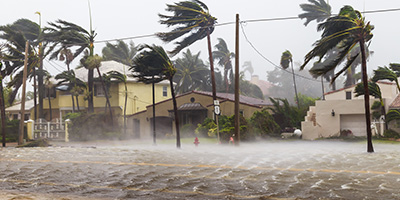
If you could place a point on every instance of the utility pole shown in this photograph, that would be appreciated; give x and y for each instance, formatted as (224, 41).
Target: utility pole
(21, 122)
(237, 117)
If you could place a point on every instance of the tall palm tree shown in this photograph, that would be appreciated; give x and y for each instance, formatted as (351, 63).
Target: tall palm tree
(385, 73)
(315, 10)
(248, 67)
(224, 57)
(2, 106)
(49, 86)
(191, 18)
(191, 72)
(375, 91)
(152, 65)
(121, 78)
(120, 52)
(66, 35)
(287, 59)
(347, 30)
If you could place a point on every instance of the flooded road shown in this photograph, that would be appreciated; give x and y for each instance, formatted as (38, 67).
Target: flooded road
(271, 170)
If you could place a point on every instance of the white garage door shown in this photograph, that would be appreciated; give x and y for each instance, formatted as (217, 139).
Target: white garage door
(355, 123)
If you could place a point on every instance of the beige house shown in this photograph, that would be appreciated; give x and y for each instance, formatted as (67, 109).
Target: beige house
(193, 108)
(341, 110)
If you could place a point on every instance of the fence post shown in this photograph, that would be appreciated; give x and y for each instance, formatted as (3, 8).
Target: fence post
(30, 129)
(66, 130)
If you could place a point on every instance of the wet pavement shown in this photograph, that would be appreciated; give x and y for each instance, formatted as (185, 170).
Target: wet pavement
(268, 170)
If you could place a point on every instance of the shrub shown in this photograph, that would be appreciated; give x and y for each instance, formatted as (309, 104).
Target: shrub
(91, 126)
(264, 124)
(391, 134)
(207, 129)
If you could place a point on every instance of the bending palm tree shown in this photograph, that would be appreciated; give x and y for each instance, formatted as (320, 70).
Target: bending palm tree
(121, 78)
(224, 56)
(286, 58)
(152, 65)
(191, 72)
(346, 30)
(193, 19)
(120, 52)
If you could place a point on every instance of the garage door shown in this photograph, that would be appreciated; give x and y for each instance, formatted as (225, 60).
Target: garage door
(355, 123)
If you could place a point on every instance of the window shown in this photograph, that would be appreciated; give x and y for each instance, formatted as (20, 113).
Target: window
(164, 91)
(26, 117)
(15, 116)
(348, 95)
(98, 90)
(51, 93)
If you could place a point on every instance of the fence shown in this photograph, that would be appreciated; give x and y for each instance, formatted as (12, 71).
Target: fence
(53, 130)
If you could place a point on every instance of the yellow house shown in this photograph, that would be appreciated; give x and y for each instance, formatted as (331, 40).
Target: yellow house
(193, 108)
(139, 94)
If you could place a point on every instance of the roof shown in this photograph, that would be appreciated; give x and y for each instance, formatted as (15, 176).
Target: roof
(242, 99)
(350, 86)
(396, 103)
(191, 106)
(29, 104)
(107, 66)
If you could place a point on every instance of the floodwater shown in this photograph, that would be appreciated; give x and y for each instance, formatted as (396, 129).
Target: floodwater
(270, 170)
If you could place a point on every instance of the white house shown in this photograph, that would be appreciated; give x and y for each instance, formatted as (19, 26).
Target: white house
(341, 110)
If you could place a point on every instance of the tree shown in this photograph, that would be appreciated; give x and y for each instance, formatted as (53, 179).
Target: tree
(385, 73)
(224, 58)
(375, 91)
(49, 86)
(192, 18)
(191, 72)
(286, 59)
(318, 11)
(248, 67)
(153, 65)
(68, 35)
(73, 83)
(120, 52)
(121, 78)
(347, 29)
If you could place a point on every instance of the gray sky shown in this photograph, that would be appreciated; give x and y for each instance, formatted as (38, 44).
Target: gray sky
(126, 18)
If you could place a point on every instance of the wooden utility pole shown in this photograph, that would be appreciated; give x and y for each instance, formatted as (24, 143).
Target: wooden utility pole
(21, 122)
(237, 117)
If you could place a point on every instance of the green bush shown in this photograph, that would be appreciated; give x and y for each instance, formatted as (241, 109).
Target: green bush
(391, 134)
(264, 124)
(207, 129)
(227, 129)
(12, 131)
(91, 126)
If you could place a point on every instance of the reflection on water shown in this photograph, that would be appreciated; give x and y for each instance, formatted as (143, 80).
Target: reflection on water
(271, 170)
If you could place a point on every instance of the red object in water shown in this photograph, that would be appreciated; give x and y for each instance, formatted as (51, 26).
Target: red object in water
(231, 140)
(196, 141)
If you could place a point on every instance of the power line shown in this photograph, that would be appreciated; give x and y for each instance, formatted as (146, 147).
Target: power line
(268, 60)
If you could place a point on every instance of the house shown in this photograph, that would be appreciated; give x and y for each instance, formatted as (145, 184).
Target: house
(14, 111)
(193, 108)
(342, 111)
(139, 94)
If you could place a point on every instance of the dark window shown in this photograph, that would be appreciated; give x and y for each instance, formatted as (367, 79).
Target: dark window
(98, 90)
(51, 93)
(15, 116)
(164, 91)
(348, 95)
(26, 117)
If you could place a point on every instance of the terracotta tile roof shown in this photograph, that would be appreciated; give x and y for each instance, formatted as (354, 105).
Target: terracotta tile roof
(396, 103)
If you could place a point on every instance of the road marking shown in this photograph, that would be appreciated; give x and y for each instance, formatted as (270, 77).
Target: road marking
(207, 166)
(225, 194)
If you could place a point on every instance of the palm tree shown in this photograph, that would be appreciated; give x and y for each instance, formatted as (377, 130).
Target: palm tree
(74, 85)
(191, 72)
(67, 35)
(375, 91)
(120, 52)
(2, 107)
(49, 85)
(286, 59)
(121, 78)
(347, 30)
(191, 18)
(224, 57)
(318, 11)
(248, 67)
(385, 73)
(153, 65)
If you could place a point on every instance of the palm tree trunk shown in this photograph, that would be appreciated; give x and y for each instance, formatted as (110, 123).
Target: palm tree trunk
(295, 88)
(214, 91)
(370, 147)
(126, 101)
(154, 113)
(178, 136)
(3, 113)
(106, 94)
(51, 114)
(34, 93)
(90, 88)
(77, 102)
(73, 102)
(40, 83)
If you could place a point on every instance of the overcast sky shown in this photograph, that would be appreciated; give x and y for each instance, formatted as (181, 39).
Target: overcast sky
(129, 18)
